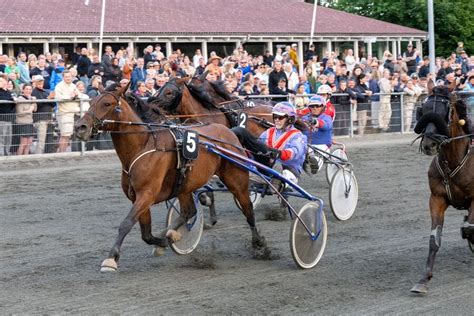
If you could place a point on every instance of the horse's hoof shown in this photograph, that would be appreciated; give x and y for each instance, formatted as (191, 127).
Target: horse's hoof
(158, 251)
(173, 235)
(108, 265)
(420, 288)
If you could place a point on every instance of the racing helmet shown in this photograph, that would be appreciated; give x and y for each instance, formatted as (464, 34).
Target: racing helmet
(316, 99)
(324, 89)
(285, 109)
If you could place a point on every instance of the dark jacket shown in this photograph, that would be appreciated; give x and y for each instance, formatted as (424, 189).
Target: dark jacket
(6, 108)
(424, 71)
(389, 65)
(95, 69)
(113, 73)
(362, 98)
(44, 110)
(92, 92)
(274, 78)
(46, 73)
(83, 64)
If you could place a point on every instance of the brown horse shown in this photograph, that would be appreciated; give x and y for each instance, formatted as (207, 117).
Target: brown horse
(149, 169)
(190, 99)
(446, 132)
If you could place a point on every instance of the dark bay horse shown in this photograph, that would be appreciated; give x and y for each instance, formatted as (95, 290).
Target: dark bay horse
(447, 133)
(149, 169)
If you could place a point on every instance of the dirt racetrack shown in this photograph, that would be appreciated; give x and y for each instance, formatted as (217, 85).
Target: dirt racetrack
(59, 217)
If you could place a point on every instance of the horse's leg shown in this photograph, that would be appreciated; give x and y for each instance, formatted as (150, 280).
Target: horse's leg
(237, 184)
(207, 199)
(141, 204)
(160, 243)
(467, 230)
(438, 207)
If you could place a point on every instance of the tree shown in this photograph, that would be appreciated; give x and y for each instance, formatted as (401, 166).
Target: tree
(454, 21)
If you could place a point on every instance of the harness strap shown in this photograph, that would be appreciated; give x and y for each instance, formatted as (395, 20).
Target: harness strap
(127, 172)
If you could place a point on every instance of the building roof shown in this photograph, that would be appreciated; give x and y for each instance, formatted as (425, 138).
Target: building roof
(187, 17)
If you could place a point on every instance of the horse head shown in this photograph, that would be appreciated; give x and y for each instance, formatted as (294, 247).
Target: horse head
(432, 118)
(107, 106)
(169, 96)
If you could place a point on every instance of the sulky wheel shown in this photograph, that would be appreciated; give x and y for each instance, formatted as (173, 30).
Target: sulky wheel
(343, 194)
(307, 249)
(332, 168)
(191, 232)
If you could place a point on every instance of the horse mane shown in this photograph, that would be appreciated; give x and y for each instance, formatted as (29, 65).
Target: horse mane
(220, 89)
(146, 113)
(434, 118)
(200, 93)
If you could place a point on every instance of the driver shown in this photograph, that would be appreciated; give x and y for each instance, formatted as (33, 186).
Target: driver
(282, 143)
(320, 132)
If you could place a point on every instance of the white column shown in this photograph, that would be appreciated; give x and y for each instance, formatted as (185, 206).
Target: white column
(369, 49)
(270, 47)
(329, 47)
(89, 45)
(356, 50)
(169, 49)
(204, 49)
(399, 47)
(45, 47)
(10, 51)
(380, 51)
(419, 48)
(238, 43)
(1, 49)
(394, 49)
(300, 57)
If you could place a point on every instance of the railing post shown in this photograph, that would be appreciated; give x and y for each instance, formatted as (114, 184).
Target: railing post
(351, 121)
(402, 118)
(81, 113)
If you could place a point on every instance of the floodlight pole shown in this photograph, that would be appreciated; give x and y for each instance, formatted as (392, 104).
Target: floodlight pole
(101, 35)
(313, 22)
(431, 37)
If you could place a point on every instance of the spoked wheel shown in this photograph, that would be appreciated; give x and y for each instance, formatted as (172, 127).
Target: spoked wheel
(191, 232)
(308, 248)
(332, 168)
(471, 245)
(255, 198)
(343, 194)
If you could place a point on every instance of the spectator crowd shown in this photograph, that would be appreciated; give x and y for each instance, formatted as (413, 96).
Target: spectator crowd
(39, 94)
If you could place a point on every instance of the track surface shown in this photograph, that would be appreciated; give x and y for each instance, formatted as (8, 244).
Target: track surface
(59, 217)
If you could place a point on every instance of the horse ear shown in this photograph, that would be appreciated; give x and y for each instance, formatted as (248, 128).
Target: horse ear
(431, 85)
(122, 90)
(204, 75)
(452, 85)
(101, 87)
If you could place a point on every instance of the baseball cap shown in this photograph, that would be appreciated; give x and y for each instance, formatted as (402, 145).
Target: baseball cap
(294, 45)
(38, 78)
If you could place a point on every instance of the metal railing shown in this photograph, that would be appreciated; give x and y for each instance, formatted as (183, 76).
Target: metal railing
(44, 131)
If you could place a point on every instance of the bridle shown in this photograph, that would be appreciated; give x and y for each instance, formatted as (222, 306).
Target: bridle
(176, 101)
(98, 124)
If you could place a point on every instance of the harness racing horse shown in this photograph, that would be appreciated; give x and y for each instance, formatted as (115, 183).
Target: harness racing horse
(446, 132)
(149, 161)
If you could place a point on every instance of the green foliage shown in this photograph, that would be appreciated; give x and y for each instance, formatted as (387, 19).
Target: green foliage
(454, 21)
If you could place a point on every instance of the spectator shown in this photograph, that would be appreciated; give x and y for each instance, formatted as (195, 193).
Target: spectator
(148, 57)
(75, 55)
(196, 58)
(350, 60)
(157, 53)
(150, 86)
(389, 64)
(93, 89)
(268, 58)
(363, 99)
(301, 99)
(342, 107)
(374, 98)
(84, 97)
(213, 66)
(43, 70)
(139, 73)
(409, 57)
(409, 100)
(278, 57)
(57, 74)
(23, 68)
(107, 57)
(3, 62)
(83, 64)
(385, 109)
(446, 69)
(293, 54)
(188, 69)
(291, 76)
(141, 90)
(24, 119)
(113, 72)
(275, 76)
(12, 67)
(96, 68)
(43, 115)
(66, 90)
(281, 90)
(310, 53)
(425, 68)
(6, 118)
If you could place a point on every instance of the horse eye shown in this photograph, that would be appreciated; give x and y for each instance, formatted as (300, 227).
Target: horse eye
(107, 104)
